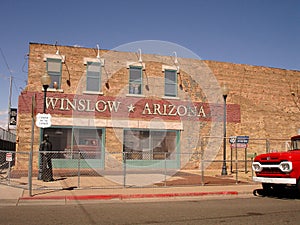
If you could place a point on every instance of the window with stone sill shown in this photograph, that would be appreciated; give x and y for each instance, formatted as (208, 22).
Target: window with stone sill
(54, 70)
(135, 80)
(170, 83)
(93, 77)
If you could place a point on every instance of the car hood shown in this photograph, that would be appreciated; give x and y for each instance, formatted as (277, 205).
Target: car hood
(279, 156)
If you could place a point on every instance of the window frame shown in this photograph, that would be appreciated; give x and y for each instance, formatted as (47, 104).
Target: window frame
(93, 76)
(170, 82)
(132, 82)
(54, 74)
(66, 162)
(150, 153)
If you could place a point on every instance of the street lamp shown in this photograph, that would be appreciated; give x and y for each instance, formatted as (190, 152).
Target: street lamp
(46, 81)
(225, 92)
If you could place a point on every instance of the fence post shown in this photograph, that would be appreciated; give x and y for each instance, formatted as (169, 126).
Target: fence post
(30, 172)
(231, 158)
(9, 170)
(124, 169)
(79, 158)
(267, 146)
(236, 164)
(165, 169)
(202, 163)
(246, 161)
(252, 158)
(31, 156)
(236, 175)
(251, 167)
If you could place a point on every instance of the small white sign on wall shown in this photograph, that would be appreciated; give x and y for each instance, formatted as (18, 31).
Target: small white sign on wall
(43, 120)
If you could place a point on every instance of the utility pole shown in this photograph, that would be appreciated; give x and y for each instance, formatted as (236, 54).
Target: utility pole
(9, 102)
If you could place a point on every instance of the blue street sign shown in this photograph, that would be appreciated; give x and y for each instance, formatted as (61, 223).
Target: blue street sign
(242, 139)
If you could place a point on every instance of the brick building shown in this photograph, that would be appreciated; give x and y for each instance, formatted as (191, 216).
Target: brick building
(151, 107)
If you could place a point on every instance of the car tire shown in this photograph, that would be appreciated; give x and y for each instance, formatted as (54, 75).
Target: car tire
(298, 186)
(267, 187)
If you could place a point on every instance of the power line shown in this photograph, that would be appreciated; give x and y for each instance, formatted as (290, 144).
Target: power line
(6, 62)
(17, 89)
(10, 89)
(25, 63)
(12, 78)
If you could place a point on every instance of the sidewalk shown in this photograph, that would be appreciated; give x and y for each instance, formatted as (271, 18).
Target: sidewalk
(66, 191)
(17, 196)
(10, 195)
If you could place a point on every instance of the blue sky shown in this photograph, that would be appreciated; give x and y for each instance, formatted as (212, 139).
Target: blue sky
(255, 32)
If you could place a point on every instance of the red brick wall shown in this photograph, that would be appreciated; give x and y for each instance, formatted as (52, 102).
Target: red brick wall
(260, 103)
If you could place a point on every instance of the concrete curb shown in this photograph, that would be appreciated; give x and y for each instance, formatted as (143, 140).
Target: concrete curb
(129, 196)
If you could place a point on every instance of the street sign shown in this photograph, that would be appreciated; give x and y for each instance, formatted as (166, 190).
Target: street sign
(232, 139)
(43, 120)
(238, 145)
(13, 116)
(242, 139)
(8, 157)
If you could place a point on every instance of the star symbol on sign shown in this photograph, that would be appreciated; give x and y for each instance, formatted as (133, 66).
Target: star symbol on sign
(130, 108)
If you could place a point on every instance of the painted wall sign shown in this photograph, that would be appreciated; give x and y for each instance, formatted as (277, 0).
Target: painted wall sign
(130, 107)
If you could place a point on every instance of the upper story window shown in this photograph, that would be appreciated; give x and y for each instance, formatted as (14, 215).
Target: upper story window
(93, 76)
(135, 80)
(54, 71)
(171, 83)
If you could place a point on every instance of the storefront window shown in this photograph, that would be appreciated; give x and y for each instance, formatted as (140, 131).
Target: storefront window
(149, 144)
(75, 141)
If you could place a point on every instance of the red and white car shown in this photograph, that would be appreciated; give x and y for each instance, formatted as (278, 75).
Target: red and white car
(276, 170)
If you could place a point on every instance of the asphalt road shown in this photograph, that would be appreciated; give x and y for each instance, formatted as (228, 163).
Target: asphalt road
(250, 210)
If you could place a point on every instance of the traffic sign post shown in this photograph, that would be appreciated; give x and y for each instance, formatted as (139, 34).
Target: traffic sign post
(243, 140)
(239, 142)
(9, 159)
(232, 140)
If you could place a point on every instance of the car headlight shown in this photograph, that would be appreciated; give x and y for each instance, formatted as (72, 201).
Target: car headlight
(256, 167)
(286, 166)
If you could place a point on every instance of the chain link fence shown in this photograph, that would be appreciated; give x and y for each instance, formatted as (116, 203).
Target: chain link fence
(84, 169)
